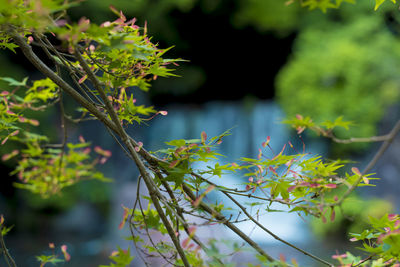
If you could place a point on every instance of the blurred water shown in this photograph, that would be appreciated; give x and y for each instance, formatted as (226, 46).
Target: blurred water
(251, 125)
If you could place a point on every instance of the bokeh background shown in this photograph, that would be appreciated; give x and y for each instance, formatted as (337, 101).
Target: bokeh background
(251, 64)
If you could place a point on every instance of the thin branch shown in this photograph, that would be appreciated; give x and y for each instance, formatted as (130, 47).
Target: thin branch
(223, 220)
(32, 57)
(71, 69)
(383, 148)
(97, 85)
(179, 211)
(133, 153)
(274, 235)
(148, 234)
(380, 138)
(8, 258)
(364, 260)
(235, 191)
(392, 134)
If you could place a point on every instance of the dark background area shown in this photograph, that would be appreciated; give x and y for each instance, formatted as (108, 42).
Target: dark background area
(226, 61)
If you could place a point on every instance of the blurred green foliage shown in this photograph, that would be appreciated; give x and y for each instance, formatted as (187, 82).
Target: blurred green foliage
(352, 218)
(345, 65)
(268, 15)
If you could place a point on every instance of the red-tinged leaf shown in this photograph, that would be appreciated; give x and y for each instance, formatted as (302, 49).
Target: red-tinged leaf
(209, 189)
(140, 145)
(208, 150)
(260, 168)
(248, 187)
(14, 133)
(106, 24)
(145, 28)
(51, 245)
(392, 216)
(203, 137)
(314, 185)
(264, 144)
(198, 200)
(299, 117)
(355, 170)
(323, 218)
(124, 217)
(304, 184)
(180, 149)
(333, 214)
(300, 129)
(1, 219)
(163, 112)
(33, 122)
(10, 155)
(366, 180)
(290, 144)
(192, 230)
(289, 163)
(341, 256)
(4, 140)
(67, 257)
(174, 163)
(353, 239)
(282, 258)
(122, 16)
(105, 153)
(280, 153)
(114, 10)
(81, 139)
(330, 185)
(235, 165)
(291, 188)
(273, 170)
(185, 242)
(336, 198)
(192, 146)
(259, 153)
(82, 80)
(114, 253)
(4, 93)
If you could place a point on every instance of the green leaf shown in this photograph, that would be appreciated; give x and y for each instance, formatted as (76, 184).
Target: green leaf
(14, 82)
(378, 3)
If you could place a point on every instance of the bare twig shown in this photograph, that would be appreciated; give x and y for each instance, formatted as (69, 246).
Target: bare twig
(274, 235)
(3, 249)
(380, 138)
(33, 58)
(223, 220)
(392, 134)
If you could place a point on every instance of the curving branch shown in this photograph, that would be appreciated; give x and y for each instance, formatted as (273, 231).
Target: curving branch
(3, 250)
(392, 134)
(226, 222)
(45, 70)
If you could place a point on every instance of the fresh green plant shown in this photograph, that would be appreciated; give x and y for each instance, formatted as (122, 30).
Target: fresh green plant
(345, 74)
(107, 63)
